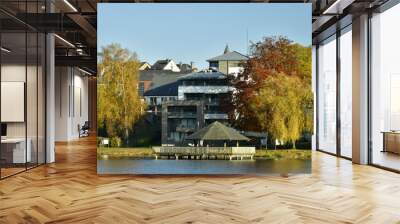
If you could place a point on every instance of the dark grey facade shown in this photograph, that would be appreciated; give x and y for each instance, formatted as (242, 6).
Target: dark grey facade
(198, 104)
(180, 119)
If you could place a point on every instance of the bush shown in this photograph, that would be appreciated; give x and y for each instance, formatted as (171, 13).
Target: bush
(115, 142)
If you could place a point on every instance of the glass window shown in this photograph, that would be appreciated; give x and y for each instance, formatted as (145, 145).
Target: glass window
(346, 93)
(327, 95)
(15, 149)
(141, 88)
(385, 89)
(22, 92)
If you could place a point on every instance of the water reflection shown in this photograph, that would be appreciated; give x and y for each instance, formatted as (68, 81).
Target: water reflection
(131, 166)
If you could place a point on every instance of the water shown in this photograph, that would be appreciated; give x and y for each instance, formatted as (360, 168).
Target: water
(150, 166)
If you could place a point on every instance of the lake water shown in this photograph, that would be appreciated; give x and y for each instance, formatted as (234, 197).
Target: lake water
(150, 166)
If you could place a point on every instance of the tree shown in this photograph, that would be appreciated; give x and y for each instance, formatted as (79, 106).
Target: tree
(119, 105)
(281, 107)
(270, 58)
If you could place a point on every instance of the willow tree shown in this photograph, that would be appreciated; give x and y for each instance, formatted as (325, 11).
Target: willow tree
(282, 107)
(119, 104)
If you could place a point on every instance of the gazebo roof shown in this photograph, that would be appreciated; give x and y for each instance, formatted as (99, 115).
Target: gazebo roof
(217, 131)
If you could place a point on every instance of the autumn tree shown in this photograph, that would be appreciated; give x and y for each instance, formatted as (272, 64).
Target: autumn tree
(119, 105)
(270, 58)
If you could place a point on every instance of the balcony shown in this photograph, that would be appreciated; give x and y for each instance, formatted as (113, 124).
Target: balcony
(182, 115)
(202, 89)
(215, 116)
(185, 129)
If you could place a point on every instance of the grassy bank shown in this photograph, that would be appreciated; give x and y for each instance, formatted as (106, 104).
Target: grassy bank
(121, 153)
(283, 154)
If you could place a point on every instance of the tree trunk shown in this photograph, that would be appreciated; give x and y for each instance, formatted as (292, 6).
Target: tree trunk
(127, 136)
(294, 144)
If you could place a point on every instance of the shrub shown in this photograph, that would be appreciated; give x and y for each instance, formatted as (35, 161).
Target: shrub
(115, 142)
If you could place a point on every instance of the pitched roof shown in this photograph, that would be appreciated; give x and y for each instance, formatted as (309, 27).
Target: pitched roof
(230, 56)
(160, 78)
(169, 89)
(204, 75)
(160, 64)
(217, 131)
(143, 63)
(227, 50)
(184, 67)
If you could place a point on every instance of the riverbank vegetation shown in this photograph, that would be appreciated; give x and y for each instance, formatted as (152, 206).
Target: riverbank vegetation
(143, 153)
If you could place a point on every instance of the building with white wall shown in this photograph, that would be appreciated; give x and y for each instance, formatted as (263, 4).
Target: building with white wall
(167, 65)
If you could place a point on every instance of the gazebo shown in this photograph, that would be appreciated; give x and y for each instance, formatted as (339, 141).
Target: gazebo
(217, 132)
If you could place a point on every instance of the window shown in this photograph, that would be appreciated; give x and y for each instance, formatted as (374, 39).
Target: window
(214, 64)
(141, 88)
(22, 76)
(346, 92)
(385, 89)
(327, 95)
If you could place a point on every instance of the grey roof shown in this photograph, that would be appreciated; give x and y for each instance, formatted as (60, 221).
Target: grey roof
(227, 50)
(230, 56)
(160, 64)
(160, 78)
(184, 67)
(204, 75)
(217, 131)
(170, 89)
(254, 134)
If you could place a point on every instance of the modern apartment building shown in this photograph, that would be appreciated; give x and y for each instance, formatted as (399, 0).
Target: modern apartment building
(198, 103)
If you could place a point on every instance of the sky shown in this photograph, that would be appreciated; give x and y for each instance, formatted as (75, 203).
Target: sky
(196, 32)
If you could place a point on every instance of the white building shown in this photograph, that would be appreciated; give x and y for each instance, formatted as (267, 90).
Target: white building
(167, 64)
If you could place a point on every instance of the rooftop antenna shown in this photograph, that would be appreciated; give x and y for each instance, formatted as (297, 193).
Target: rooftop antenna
(247, 41)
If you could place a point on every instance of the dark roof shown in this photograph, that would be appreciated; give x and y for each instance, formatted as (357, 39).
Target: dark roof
(217, 131)
(230, 56)
(204, 75)
(170, 89)
(227, 50)
(254, 134)
(160, 64)
(184, 67)
(160, 78)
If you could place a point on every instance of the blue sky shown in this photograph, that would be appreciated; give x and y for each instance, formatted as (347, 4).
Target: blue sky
(197, 32)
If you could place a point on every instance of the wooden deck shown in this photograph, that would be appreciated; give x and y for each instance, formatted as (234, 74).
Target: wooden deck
(70, 191)
(179, 152)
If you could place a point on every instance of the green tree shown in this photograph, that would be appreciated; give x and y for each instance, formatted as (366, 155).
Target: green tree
(119, 105)
(282, 107)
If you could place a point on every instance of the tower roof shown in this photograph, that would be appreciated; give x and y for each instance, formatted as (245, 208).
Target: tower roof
(226, 49)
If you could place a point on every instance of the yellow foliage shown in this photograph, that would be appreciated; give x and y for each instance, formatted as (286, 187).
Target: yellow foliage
(119, 105)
